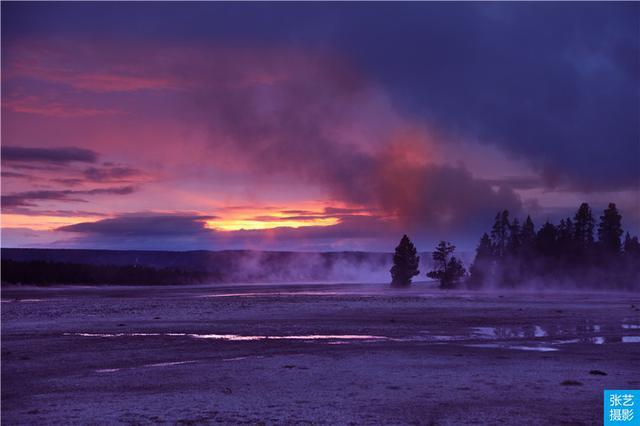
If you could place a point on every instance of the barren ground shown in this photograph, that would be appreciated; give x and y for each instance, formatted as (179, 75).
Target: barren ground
(333, 354)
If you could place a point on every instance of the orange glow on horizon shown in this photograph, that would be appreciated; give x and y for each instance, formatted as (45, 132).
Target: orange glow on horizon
(227, 219)
(42, 223)
(248, 224)
(311, 213)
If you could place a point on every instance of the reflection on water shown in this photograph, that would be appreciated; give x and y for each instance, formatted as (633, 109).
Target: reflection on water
(281, 293)
(115, 334)
(536, 337)
(238, 337)
(581, 333)
(168, 364)
(532, 331)
(539, 332)
(516, 347)
(158, 364)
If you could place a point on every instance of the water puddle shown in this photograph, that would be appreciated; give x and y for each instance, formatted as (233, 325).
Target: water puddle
(278, 293)
(238, 337)
(113, 334)
(240, 358)
(108, 370)
(539, 338)
(235, 337)
(524, 338)
(154, 365)
(168, 364)
(514, 347)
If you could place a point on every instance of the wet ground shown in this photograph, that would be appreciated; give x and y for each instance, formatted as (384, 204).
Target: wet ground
(329, 353)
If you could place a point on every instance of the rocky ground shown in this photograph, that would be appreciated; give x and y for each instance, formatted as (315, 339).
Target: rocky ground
(332, 354)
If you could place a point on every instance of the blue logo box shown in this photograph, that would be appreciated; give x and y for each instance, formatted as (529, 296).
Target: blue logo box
(622, 407)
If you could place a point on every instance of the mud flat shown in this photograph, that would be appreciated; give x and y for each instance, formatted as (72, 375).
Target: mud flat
(312, 354)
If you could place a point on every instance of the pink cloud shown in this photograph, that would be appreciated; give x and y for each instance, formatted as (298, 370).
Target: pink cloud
(78, 66)
(249, 121)
(38, 105)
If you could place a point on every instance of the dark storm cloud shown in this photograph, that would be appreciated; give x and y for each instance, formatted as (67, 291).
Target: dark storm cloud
(123, 190)
(30, 198)
(555, 84)
(26, 199)
(517, 182)
(302, 126)
(185, 231)
(110, 174)
(188, 232)
(48, 155)
(144, 225)
(59, 213)
(68, 181)
(15, 175)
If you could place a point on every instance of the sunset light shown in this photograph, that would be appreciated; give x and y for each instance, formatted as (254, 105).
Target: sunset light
(268, 223)
(320, 212)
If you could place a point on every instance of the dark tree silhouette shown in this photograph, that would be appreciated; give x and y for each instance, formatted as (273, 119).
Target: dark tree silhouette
(546, 239)
(631, 245)
(527, 237)
(565, 254)
(514, 242)
(610, 230)
(405, 263)
(528, 231)
(447, 268)
(43, 273)
(482, 264)
(566, 241)
(500, 233)
(583, 226)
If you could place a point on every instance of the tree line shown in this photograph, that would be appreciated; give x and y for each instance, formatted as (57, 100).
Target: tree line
(44, 273)
(574, 253)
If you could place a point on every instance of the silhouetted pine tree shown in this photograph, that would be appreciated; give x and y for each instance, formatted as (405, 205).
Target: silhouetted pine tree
(482, 268)
(610, 230)
(567, 253)
(566, 241)
(528, 232)
(405, 263)
(527, 236)
(447, 268)
(500, 233)
(583, 229)
(631, 245)
(514, 242)
(546, 240)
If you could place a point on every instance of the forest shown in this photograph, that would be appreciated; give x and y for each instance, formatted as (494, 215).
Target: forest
(39, 272)
(573, 254)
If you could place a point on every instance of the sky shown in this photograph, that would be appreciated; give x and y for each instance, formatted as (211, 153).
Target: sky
(312, 126)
